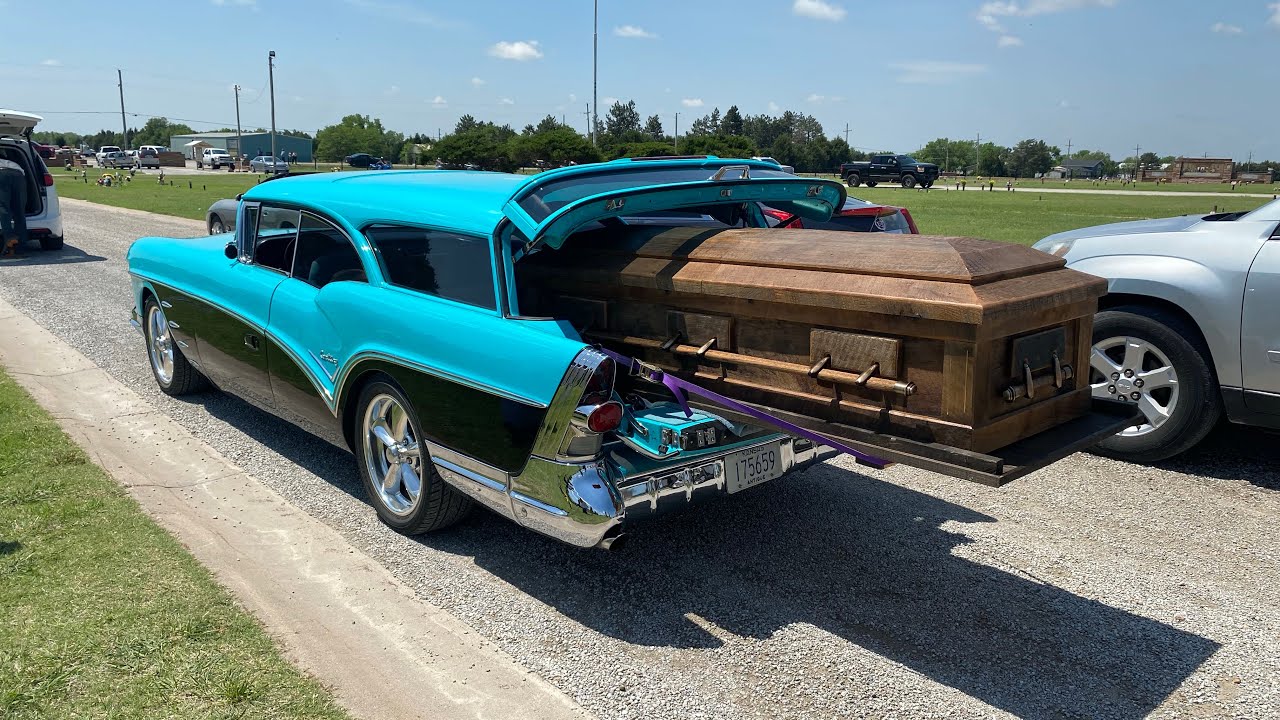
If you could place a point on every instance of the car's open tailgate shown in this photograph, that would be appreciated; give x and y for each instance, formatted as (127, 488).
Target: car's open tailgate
(996, 468)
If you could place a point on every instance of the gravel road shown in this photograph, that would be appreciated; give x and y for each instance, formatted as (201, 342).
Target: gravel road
(1092, 589)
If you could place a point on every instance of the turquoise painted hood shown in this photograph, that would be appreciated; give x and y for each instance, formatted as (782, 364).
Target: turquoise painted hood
(553, 205)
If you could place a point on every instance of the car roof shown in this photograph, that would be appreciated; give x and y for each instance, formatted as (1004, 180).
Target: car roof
(468, 201)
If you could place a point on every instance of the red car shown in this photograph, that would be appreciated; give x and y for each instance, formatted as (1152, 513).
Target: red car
(856, 216)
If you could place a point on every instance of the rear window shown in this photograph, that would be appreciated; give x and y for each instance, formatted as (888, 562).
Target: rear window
(545, 199)
(894, 223)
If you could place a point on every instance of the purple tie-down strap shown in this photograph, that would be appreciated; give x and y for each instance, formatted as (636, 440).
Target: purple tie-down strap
(679, 388)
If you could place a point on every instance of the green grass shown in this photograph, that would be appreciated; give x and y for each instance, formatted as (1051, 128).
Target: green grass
(103, 614)
(1025, 216)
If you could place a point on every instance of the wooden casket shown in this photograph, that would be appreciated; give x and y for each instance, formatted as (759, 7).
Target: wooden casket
(949, 348)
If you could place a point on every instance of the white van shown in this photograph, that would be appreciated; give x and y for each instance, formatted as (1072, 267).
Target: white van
(44, 217)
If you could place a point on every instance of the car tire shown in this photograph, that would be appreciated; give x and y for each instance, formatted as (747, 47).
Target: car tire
(51, 243)
(1154, 343)
(871, 183)
(927, 184)
(173, 372)
(853, 180)
(215, 225)
(390, 472)
(908, 181)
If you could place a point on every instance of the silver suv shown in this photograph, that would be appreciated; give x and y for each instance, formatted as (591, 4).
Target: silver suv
(44, 217)
(1190, 330)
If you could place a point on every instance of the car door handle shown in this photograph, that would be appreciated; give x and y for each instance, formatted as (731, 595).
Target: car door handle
(252, 342)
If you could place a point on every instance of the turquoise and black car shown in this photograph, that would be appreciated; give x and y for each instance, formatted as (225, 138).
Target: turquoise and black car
(381, 311)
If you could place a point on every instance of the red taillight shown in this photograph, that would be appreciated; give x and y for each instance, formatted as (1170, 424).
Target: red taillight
(48, 180)
(785, 219)
(605, 417)
(600, 386)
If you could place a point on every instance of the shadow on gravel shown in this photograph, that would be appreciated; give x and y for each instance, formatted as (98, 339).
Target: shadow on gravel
(33, 255)
(869, 562)
(865, 560)
(1233, 452)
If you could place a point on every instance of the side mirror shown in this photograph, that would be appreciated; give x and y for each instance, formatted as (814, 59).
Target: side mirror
(231, 251)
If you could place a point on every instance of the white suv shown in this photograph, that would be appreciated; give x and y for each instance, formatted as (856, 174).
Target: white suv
(215, 158)
(44, 217)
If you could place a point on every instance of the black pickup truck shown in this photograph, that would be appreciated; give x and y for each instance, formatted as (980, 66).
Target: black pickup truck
(889, 168)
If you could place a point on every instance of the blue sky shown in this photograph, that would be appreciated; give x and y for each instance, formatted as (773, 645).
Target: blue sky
(1176, 76)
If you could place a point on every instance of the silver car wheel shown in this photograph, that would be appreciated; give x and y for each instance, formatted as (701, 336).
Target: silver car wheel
(1132, 370)
(160, 347)
(392, 455)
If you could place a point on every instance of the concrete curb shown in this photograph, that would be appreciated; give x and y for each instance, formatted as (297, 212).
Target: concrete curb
(339, 615)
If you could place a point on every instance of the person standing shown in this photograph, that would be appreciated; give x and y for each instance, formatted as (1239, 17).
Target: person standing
(13, 206)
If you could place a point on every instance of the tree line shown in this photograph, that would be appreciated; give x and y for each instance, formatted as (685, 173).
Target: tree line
(792, 138)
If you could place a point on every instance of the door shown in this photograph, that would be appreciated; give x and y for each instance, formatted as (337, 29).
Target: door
(1260, 331)
(233, 339)
(305, 348)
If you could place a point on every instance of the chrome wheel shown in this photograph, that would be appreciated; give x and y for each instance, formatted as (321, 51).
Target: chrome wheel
(160, 345)
(1132, 370)
(392, 456)
(216, 227)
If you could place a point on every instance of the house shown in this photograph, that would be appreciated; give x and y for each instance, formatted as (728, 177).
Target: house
(249, 144)
(1082, 168)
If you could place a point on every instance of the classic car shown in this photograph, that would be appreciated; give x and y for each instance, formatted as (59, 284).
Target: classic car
(477, 337)
(1187, 331)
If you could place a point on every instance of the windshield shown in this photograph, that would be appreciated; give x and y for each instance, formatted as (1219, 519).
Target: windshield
(1267, 213)
(217, 152)
(545, 199)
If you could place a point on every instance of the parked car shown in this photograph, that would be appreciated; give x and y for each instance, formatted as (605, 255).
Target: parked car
(382, 312)
(361, 160)
(148, 156)
(117, 159)
(215, 158)
(855, 216)
(86, 152)
(1189, 330)
(268, 164)
(902, 169)
(101, 155)
(785, 168)
(43, 215)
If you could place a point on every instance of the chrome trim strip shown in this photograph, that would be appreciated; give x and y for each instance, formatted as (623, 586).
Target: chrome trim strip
(165, 304)
(174, 325)
(354, 360)
(549, 509)
(475, 477)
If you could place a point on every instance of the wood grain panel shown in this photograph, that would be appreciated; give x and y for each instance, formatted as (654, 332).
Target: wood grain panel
(855, 352)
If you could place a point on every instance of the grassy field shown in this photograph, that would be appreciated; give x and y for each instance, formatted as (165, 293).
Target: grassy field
(103, 614)
(1023, 216)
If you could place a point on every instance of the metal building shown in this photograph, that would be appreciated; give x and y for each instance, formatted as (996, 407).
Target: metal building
(251, 144)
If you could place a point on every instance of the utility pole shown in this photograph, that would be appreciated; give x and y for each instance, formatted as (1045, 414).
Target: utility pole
(1068, 148)
(1137, 162)
(587, 114)
(676, 137)
(846, 133)
(239, 141)
(977, 152)
(595, 70)
(271, 79)
(124, 126)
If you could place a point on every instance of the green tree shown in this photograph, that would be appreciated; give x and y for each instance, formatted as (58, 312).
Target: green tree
(840, 152)
(356, 134)
(725, 146)
(651, 148)
(732, 122)
(784, 150)
(623, 120)
(465, 123)
(991, 160)
(653, 128)
(560, 145)
(485, 145)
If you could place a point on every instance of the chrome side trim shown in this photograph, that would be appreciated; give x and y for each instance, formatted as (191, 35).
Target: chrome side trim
(575, 503)
(482, 488)
(341, 377)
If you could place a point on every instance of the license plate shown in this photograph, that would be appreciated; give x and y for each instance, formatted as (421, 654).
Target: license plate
(749, 468)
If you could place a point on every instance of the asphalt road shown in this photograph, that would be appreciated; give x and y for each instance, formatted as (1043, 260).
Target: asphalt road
(1092, 589)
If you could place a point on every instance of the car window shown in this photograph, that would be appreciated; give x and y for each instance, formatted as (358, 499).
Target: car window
(276, 237)
(446, 264)
(324, 254)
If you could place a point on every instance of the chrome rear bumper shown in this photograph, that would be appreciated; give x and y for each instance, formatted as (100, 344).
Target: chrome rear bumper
(585, 505)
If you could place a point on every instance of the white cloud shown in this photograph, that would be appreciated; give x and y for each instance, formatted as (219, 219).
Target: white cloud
(818, 10)
(691, 102)
(393, 90)
(935, 72)
(609, 100)
(520, 50)
(990, 13)
(819, 99)
(573, 97)
(439, 101)
(506, 101)
(477, 82)
(235, 2)
(773, 107)
(1225, 29)
(632, 31)
(1274, 20)
(51, 63)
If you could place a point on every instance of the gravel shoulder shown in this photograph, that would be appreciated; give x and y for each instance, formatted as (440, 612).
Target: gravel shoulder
(1092, 589)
